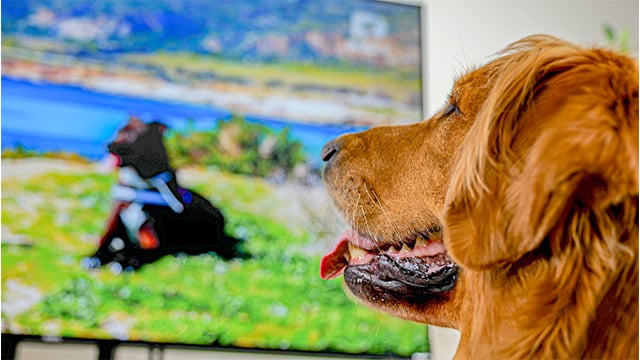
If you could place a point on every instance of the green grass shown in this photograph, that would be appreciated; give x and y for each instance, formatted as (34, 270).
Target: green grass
(274, 300)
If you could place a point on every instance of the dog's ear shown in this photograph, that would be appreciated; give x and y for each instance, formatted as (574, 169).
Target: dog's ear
(158, 126)
(554, 150)
(135, 122)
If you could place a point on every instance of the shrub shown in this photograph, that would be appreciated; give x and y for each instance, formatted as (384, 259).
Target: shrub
(237, 146)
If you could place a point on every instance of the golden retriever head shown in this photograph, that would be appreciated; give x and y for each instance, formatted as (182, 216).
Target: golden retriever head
(529, 178)
(390, 184)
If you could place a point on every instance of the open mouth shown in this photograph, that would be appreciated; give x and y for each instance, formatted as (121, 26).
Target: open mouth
(418, 266)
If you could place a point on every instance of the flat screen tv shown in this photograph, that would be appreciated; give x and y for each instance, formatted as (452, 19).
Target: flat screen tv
(244, 94)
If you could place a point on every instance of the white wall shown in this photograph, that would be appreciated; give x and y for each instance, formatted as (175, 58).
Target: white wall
(464, 33)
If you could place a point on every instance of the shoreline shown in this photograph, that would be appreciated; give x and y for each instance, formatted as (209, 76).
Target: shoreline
(25, 126)
(305, 106)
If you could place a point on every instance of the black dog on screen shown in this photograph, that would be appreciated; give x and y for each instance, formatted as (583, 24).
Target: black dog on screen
(152, 215)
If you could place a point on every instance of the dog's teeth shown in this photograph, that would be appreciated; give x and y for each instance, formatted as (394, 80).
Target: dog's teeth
(405, 248)
(356, 252)
(420, 241)
(392, 250)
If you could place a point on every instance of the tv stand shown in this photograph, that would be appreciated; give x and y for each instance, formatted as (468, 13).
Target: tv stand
(106, 349)
(9, 346)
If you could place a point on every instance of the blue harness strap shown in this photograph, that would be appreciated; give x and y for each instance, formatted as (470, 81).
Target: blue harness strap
(160, 196)
(129, 194)
(151, 197)
(165, 177)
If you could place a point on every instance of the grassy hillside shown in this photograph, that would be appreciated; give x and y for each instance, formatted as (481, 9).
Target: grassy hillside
(399, 84)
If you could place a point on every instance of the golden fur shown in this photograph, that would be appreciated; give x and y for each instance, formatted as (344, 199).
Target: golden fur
(531, 174)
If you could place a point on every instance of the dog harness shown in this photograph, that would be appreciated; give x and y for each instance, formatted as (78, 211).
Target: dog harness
(161, 195)
(138, 192)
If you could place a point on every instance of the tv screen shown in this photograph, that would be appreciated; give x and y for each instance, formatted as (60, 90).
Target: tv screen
(161, 171)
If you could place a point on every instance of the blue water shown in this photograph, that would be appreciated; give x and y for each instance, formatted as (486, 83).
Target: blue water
(48, 117)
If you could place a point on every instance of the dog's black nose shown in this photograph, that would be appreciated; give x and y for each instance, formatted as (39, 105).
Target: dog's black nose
(329, 149)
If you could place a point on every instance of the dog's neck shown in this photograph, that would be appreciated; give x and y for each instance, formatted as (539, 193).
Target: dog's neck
(128, 176)
(554, 327)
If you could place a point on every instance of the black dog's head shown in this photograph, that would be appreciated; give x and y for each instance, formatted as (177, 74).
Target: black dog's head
(139, 145)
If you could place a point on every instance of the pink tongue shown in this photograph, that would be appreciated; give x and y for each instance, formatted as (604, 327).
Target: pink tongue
(333, 263)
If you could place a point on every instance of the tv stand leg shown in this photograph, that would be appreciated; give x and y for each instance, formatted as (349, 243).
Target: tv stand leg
(9, 345)
(156, 352)
(106, 349)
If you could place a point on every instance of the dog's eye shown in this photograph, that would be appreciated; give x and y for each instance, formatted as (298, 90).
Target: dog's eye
(450, 109)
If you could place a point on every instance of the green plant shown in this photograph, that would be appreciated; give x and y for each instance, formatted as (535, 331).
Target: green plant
(237, 146)
(619, 39)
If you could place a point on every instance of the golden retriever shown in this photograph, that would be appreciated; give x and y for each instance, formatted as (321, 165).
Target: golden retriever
(511, 215)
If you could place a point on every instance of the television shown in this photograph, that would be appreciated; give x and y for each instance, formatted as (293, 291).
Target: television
(247, 93)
